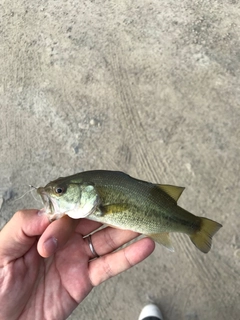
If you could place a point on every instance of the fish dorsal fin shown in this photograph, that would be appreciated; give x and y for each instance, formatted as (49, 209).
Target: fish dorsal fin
(162, 238)
(173, 191)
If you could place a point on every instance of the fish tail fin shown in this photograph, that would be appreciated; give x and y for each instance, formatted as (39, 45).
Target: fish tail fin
(202, 238)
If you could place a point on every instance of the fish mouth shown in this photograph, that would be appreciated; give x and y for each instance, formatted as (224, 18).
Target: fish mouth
(50, 205)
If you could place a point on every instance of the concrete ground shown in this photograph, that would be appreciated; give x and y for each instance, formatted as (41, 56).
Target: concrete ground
(146, 87)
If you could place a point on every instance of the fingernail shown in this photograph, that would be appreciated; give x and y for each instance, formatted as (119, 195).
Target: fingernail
(41, 212)
(50, 246)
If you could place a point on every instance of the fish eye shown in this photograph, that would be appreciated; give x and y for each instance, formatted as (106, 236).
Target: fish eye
(59, 190)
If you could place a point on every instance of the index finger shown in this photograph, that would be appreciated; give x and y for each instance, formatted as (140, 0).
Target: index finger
(60, 231)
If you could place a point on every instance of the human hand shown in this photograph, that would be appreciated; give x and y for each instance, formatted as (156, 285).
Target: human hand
(46, 269)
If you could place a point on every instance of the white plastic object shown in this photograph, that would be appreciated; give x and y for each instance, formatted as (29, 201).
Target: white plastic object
(150, 310)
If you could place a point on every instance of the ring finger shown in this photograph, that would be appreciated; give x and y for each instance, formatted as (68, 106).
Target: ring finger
(107, 240)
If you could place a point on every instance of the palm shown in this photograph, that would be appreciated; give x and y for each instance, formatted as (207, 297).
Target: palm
(51, 288)
(67, 275)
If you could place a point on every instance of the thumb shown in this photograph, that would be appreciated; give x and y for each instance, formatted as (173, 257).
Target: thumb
(20, 233)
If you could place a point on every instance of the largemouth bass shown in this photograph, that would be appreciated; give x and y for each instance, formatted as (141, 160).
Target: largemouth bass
(116, 199)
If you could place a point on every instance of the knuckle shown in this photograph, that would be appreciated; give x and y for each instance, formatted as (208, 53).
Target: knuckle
(19, 214)
(109, 239)
(128, 262)
(107, 268)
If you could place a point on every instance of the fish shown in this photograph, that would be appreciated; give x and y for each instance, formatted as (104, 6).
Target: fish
(116, 199)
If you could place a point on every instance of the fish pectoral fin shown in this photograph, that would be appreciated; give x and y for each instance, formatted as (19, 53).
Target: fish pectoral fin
(114, 208)
(173, 191)
(162, 238)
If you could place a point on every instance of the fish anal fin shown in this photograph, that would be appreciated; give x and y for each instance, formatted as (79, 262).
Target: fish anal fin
(202, 239)
(173, 191)
(163, 239)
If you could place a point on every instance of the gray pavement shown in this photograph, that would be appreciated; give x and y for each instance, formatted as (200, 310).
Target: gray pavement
(146, 87)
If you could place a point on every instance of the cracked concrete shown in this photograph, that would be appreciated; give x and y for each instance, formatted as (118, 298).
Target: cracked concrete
(147, 87)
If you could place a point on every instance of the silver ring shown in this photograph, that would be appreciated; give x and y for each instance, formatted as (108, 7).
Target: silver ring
(95, 255)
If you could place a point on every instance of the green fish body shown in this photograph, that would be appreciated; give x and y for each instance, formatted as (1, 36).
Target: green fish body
(116, 199)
